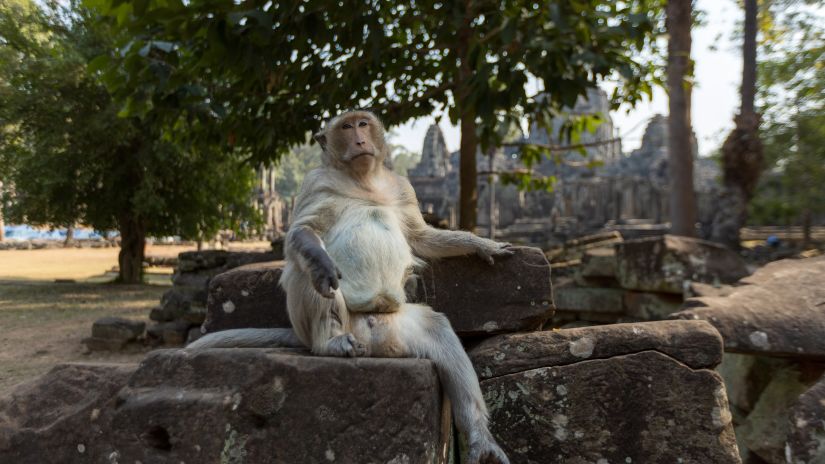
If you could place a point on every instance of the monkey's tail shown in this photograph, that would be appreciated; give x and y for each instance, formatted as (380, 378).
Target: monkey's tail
(248, 338)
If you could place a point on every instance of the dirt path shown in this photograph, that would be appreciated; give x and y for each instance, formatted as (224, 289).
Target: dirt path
(42, 324)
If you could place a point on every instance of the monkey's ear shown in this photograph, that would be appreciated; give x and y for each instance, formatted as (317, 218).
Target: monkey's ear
(321, 138)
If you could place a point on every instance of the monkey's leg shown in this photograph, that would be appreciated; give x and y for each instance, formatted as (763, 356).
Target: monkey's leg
(318, 321)
(418, 331)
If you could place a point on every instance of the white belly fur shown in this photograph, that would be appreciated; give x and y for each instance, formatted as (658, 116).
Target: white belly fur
(370, 249)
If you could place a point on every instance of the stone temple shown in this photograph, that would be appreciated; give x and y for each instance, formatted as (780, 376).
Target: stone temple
(623, 189)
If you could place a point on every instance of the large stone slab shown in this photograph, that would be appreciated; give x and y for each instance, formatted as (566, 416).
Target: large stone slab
(666, 263)
(599, 262)
(247, 296)
(254, 405)
(63, 416)
(608, 394)
(514, 294)
(590, 299)
(230, 406)
(778, 311)
(694, 343)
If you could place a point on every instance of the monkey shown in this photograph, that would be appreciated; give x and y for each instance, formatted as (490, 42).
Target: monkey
(356, 237)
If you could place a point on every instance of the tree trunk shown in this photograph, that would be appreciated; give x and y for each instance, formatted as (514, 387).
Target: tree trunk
(680, 160)
(468, 172)
(468, 175)
(132, 248)
(2, 225)
(69, 237)
(742, 150)
(806, 228)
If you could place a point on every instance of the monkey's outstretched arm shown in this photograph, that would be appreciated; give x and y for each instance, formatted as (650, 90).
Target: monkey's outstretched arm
(429, 242)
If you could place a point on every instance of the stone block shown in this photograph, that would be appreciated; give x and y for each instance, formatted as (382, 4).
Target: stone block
(117, 328)
(589, 299)
(231, 406)
(598, 262)
(247, 296)
(641, 393)
(651, 306)
(252, 405)
(806, 442)
(514, 294)
(63, 416)
(778, 311)
(169, 333)
(664, 264)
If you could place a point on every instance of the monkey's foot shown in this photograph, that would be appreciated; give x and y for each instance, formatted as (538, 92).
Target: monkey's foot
(486, 451)
(345, 345)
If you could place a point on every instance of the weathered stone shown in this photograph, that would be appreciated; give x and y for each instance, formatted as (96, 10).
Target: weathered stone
(599, 262)
(778, 311)
(806, 443)
(514, 294)
(703, 289)
(664, 264)
(63, 416)
(193, 334)
(641, 393)
(695, 343)
(651, 306)
(169, 333)
(193, 279)
(251, 405)
(587, 299)
(230, 406)
(190, 261)
(117, 328)
(765, 430)
(247, 296)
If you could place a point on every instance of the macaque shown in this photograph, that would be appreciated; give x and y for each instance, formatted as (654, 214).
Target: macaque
(356, 238)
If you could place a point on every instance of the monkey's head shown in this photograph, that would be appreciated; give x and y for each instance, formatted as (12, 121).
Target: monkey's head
(353, 141)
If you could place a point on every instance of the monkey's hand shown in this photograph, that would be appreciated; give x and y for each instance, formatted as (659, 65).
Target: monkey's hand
(324, 274)
(488, 250)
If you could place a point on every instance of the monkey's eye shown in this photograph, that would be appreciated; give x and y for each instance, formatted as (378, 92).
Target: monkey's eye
(362, 124)
(346, 126)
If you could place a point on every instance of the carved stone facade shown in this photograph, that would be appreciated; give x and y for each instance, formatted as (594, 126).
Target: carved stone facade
(623, 189)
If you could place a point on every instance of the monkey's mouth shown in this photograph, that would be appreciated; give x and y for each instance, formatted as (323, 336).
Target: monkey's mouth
(365, 153)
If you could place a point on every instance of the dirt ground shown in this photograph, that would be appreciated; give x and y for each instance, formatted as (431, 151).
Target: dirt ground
(42, 322)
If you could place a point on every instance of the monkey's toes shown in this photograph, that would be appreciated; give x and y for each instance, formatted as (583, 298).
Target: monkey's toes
(487, 452)
(345, 345)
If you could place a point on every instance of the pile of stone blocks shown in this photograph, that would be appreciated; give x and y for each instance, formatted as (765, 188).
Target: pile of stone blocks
(641, 280)
(641, 392)
(773, 325)
(182, 309)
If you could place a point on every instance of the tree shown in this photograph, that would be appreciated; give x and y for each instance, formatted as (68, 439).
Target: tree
(792, 96)
(71, 159)
(680, 158)
(742, 150)
(264, 73)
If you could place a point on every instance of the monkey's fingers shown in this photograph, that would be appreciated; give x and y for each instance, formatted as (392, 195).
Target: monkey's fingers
(486, 256)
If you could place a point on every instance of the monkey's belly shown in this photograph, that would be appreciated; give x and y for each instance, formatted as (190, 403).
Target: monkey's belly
(370, 249)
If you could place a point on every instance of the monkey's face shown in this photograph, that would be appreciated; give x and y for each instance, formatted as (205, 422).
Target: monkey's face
(355, 140)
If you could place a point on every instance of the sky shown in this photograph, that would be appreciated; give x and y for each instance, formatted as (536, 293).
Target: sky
(718, 70)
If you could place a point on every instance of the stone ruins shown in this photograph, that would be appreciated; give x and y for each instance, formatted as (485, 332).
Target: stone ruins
(631, 188)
